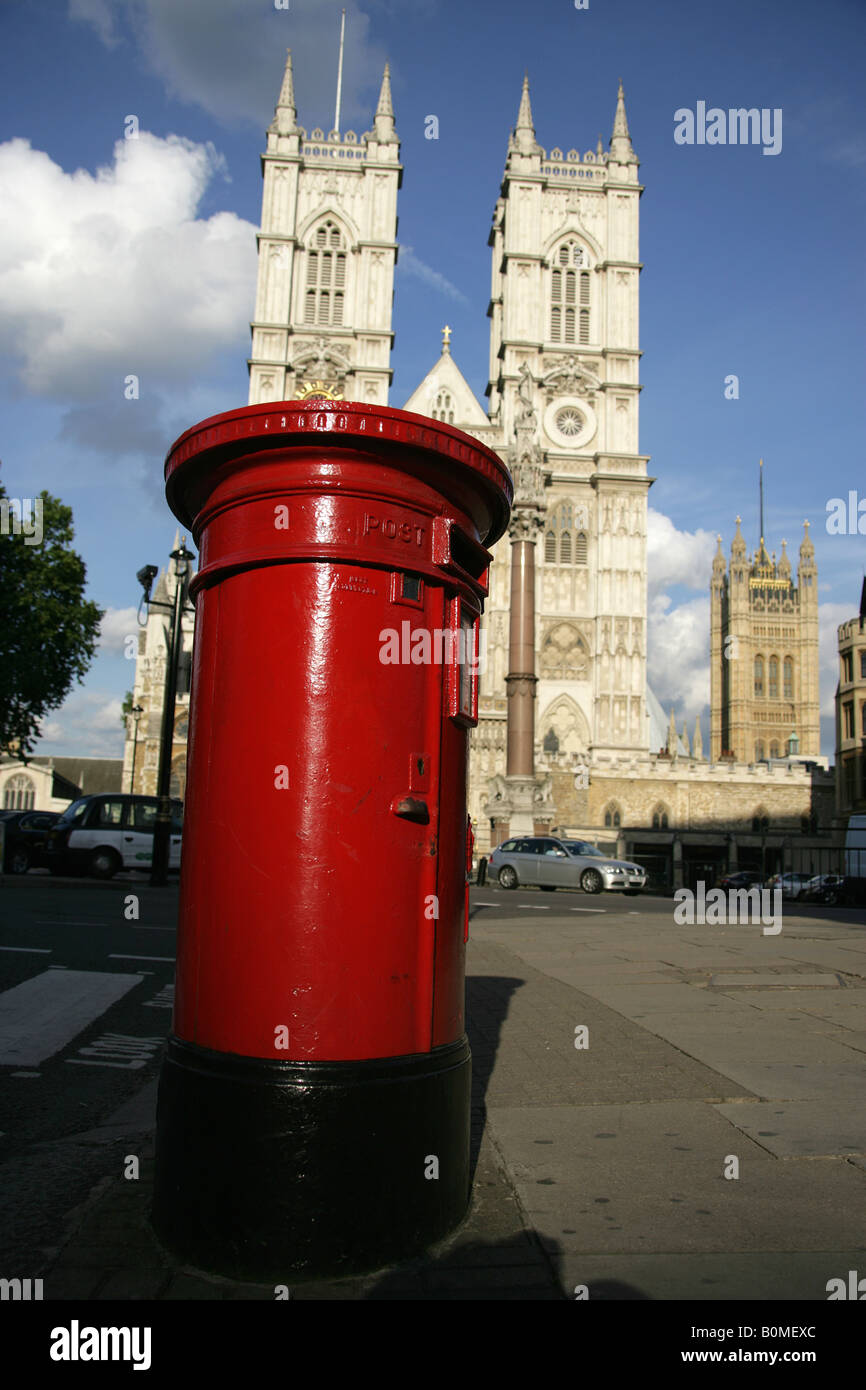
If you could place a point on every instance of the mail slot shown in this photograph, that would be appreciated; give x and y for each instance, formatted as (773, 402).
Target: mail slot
(314, 1102)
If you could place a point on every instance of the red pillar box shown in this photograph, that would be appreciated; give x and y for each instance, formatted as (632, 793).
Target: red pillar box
(314, 1102)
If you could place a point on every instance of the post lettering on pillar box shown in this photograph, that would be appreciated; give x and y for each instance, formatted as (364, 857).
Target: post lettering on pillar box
(846, 516)
(581, 1037)
(131, 1168)
(22, 516)
(732, 1166)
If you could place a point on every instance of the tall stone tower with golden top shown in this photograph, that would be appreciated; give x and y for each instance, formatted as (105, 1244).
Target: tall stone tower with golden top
(764, 653)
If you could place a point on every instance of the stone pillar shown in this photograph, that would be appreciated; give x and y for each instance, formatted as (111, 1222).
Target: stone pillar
(521, 679)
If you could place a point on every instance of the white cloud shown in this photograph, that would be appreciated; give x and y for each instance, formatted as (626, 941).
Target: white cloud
(87, 725)
(678, 655)
(677, 557)
(117, 625)
(111, 274)
(830, 615)
(227, 56)
(409, 264)
(99, 13)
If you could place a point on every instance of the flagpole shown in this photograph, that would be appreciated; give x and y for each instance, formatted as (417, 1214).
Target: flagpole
(340, 74)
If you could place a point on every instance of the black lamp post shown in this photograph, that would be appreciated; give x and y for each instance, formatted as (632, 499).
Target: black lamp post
(146, 576)
(137, 711)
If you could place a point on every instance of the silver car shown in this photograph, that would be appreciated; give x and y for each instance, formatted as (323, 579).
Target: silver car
(552, 864)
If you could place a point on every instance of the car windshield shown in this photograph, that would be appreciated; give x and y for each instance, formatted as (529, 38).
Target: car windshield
(76, 810)
(582, 848)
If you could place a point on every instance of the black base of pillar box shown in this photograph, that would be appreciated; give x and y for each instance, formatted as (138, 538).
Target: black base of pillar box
(301, 1170)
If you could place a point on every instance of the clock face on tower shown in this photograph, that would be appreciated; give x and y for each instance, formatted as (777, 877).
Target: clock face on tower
(570, 422)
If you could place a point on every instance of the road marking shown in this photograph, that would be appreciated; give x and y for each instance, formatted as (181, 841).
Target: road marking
(28, 950)
(25, 1073)
(121, 955)
(478, 904)
(130, 1052)
(587, 909)
(39, 1018)
(533, 908)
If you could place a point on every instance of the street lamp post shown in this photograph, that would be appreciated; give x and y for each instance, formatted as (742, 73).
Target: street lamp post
(162, 828)
(136, 711)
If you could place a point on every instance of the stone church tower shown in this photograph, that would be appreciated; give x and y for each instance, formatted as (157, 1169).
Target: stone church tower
(327, 251)
(563, 412)
(764, 653)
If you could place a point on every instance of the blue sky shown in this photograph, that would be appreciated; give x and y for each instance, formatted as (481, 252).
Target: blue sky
(121, 257)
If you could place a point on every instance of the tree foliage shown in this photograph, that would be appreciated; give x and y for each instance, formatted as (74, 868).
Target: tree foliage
(48, 631)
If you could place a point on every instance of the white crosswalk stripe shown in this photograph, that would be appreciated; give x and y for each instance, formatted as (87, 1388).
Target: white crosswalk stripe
(40, 1017)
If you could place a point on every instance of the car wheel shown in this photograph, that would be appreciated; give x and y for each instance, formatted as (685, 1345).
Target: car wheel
(507, 877)
(104, 863)
(591, 881)
(18, 861)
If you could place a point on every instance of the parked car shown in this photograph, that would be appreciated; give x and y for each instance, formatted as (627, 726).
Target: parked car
(101, 835)
(744, 878)
(25, 836)
(552, 864)
(791, 884)
(824, 888)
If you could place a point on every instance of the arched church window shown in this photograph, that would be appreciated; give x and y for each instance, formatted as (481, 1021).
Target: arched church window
(612, 817)
(661, 819)
(759, 677)
(551, 743)
(788, 679)
(760, 821)
(773, 679)
(326, 276)
(443, 408)
(569, 287)
(19, 794)
(774, 750)
(560, 544)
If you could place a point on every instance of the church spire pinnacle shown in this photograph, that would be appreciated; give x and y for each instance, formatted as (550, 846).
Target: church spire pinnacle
(286, 116)
(620, 142)
(384, 122)
(620, 123)
(524, 131)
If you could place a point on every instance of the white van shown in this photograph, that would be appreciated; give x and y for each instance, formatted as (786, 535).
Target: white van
(100, 835)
